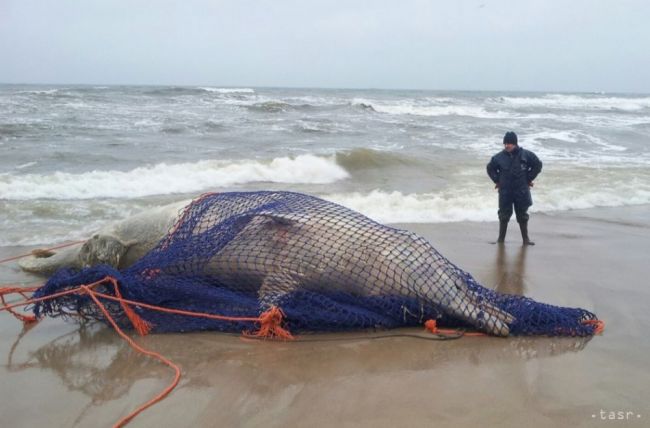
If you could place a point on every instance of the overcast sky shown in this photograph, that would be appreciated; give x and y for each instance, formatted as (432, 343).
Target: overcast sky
(545, 45)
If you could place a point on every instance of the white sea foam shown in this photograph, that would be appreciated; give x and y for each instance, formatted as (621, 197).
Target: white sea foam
(147, 123)
(397, 207)
(229, 90)
(161, 179)
(558, 200)
(562, 101)
(577, 147)
(438, 110)
(48, 222)
(26, 165)
(77, 105)
(40, 92)
(75, 220)
(315, 100)
(477, 205)
(576, 137)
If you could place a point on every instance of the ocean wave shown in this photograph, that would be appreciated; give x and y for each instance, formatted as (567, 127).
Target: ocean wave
(173, 130)
(435, 110)
(311, 128)
(363, 158)
(163, 179)
(23, 129)
(54, 94)
(257, 102)
(269, 107)
(576, 137)
(173, 91)
(229, 90)
(39, 92)
(42, 221)
(398, 207)
(314, 125)
(579, 148)
(585, 102)
(364, 106)
(26, 165)
(479, 205)
(197, 90)
(276, 106)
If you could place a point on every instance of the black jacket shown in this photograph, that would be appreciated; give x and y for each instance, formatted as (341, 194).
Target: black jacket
(513, 171)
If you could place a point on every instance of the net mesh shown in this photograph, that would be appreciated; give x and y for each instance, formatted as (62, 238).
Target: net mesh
(327, 267)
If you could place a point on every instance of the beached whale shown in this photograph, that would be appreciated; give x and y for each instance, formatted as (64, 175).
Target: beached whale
(302, 242)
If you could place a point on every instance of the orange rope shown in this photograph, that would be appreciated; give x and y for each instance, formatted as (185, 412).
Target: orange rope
(432, 327)
(11, 289)
(269, 325)
(27, 319)
(179, 311)
(69, 244)
(599, 325)
(48, 297)
(269, 321)
(140, 325)
(134, 345)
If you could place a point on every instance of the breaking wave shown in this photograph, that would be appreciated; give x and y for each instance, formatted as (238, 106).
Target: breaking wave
(193, 90)
(437, 110)
(270, 107)
(477, 204)
(229, 90)
(363, 158)
(163, 179)
(584, 102)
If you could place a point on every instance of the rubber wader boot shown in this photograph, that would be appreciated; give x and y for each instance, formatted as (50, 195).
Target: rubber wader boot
(524, 233)
(503, 227)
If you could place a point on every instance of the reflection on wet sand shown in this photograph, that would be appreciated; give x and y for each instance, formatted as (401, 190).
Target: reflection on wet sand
(509, 277)
(95, 361)
(92, 360)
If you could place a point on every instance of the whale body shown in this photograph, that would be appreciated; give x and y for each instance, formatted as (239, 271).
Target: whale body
(279, 242)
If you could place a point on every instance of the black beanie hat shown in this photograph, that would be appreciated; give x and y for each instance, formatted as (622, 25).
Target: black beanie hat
(510, 137)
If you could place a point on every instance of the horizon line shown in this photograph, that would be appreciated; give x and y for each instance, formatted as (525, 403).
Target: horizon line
(181, 85)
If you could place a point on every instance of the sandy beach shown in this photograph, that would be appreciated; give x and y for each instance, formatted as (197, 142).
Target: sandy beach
(298, 129)
(60, 375)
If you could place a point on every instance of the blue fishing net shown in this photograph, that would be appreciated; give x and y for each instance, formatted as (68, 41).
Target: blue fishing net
(327, 267)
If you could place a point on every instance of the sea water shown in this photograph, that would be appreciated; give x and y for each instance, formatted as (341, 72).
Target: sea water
(74, 158)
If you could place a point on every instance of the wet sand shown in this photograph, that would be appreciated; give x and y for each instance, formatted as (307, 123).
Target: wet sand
(59, 375)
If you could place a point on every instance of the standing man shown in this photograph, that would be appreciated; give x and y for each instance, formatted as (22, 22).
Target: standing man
(513, 171)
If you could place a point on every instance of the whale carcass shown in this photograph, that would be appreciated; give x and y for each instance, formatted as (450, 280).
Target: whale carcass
(274, 248)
